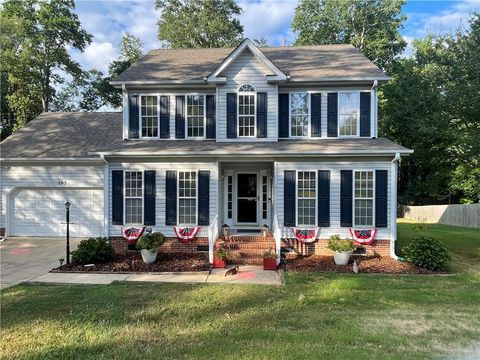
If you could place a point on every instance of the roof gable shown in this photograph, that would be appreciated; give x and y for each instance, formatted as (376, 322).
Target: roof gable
(277, 74)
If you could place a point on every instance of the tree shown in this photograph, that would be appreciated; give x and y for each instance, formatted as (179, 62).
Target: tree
(51, 29)
(199, 23)
(372, 26)
(81, 94)
(130, 49)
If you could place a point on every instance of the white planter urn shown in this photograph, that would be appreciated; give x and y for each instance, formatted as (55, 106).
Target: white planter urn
(149, 256)
(341, 258)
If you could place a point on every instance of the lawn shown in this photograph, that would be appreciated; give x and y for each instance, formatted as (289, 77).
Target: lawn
(315, 316)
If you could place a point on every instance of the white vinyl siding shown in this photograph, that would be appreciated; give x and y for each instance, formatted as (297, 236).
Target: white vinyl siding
(133, 197)
(149, 116)
(334, 166)
(306, 198)
(196, 116)
(363, 192)
(299, 115)
(187, 198)
(348, 113)
(247, 69)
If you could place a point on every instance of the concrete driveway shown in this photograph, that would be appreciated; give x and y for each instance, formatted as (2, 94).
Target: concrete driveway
(22, 259)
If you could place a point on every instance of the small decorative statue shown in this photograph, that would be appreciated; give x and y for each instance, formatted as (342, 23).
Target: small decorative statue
(233, 271)
(355, 266)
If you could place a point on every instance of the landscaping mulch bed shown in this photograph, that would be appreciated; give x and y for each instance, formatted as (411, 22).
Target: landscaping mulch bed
(373, 264)
(166, 262)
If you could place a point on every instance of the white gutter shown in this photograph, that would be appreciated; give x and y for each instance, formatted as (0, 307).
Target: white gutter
(393, 205)
(106, 196)
(39, 159)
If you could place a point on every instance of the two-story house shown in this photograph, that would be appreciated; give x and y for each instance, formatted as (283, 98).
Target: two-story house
(277, 136)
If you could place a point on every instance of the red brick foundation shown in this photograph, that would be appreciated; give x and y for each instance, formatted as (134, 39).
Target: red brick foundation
(172, 245)
(381, 247)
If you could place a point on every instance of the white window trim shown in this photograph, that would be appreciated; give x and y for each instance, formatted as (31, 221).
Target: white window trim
(309, 101)
(178, 197)
(355, 198)
(204, 117)
(254, 93)
(140, 120)
(357, 92)
(297, 198)
(132, 197)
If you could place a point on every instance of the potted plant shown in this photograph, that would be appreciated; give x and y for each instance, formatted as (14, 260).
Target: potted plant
(226, 229)
(342, 249)
(220, 258)
(269, 260)
(264, 229)
(149, 244)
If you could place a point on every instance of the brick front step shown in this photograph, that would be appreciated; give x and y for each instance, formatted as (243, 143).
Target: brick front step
(264, 246)
(245, 261)
(240, 238)
(246, 249)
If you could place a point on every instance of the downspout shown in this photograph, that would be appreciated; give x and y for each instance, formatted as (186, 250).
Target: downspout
(106, 192)
(393, 207)
(374, 109)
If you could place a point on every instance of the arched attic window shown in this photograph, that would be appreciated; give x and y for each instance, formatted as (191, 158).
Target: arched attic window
(246, 111)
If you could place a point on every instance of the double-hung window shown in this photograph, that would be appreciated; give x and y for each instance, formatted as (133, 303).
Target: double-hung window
(195, 116)
(246, 111)
(187, 197)
(306, 198)
(363, 198)
(299, 115)
(149, 116)
(349, 114)
(133, 197)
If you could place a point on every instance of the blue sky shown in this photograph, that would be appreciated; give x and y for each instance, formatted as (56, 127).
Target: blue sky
(107, 20)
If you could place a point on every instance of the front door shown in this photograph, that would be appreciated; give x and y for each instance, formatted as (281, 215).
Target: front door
(247, 198)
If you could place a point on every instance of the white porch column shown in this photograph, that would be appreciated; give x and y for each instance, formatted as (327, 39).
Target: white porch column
(393, 204)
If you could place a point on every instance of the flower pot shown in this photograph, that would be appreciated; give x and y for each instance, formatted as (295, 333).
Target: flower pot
(269, 264)
(219, 263)
(149, 256)
(341, 258)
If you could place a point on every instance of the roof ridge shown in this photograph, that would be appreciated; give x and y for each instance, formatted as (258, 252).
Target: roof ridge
(266, 47)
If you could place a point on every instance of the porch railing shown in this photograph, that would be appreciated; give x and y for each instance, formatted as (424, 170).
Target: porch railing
(213, 232)
(277, 235)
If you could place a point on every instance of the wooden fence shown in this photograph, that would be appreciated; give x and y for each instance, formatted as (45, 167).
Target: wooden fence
(459, 215)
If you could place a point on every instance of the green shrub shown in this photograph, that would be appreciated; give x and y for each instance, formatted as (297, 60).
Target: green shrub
(221, 254)
(339, 245)
(270, 254)
(427, 253)
(151, 241)
(93, 250)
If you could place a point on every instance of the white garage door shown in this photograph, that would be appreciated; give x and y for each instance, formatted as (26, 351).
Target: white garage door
(41, 212)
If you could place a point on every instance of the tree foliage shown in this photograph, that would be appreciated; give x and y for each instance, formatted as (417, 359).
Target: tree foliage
(372, 26)
(199, 23)
(432, 106)
(36, 37)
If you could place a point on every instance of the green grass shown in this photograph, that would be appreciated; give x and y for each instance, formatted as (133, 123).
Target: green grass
(463, 243)
(315, 316)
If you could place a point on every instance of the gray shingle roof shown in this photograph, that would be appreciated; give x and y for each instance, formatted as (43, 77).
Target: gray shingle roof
(78, 135)
(300, 62)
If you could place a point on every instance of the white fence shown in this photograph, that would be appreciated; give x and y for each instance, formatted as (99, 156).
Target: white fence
(458, 215)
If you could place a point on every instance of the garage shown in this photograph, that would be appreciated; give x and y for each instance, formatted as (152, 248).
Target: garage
(41, 212)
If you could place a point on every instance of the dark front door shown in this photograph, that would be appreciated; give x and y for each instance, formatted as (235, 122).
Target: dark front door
(247, 198)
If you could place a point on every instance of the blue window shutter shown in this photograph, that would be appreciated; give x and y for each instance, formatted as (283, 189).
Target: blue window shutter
(289, 197)
(211, 121)
(283, 115)
(231, 115)
(133, 119)
(117, 197)
(346, 205)
(262, 104)
(203, 197)
(316, 115)
(171, 198)
(381, 198)
(365, 114)
(324, 198)
(332, 114)
(164, 117)
(180, 117)
(149, 198)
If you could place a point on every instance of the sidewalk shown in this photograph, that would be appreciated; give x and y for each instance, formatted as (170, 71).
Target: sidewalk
(246, 275)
